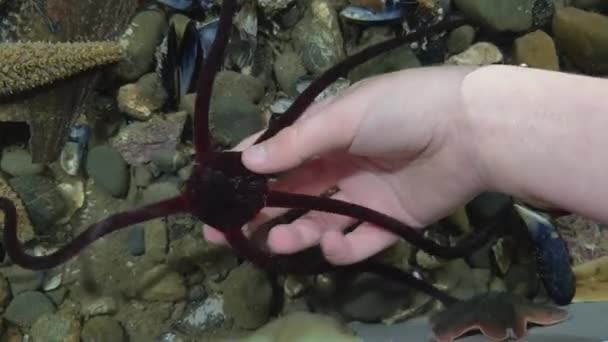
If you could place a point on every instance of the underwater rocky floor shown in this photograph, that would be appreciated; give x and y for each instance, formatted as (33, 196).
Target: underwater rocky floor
(129, 144)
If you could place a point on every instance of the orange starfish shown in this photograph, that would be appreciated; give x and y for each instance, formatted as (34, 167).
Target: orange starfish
(498, 315)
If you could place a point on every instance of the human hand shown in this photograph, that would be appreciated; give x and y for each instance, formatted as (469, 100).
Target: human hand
(400, 143)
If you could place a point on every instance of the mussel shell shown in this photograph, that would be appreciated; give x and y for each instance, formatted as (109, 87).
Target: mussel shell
(188, 5)
(552, 255)
(367, 15)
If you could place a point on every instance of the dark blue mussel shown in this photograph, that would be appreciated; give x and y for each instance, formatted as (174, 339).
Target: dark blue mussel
(392, 10)
(188, 5)
(181, 62)
(553, 257)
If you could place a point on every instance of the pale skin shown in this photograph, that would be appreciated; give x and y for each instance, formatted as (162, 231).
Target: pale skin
(419, 143)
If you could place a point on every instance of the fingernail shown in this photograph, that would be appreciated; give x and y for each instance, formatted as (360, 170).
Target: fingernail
(256, 154)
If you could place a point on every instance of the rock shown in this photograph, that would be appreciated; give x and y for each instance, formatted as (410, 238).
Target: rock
(233, 119)
(22, 280)
(273, 6)
(396, 59)
(208, 314)
(536, 50)
(156, 239)
(57, 296)
(142, 176)
(109, 170)
(234, 114)
(135, 241)
(159, 191)
(168, 161)
(137, 141)
(482, 53)
(303, 327)
(103, 328)
(189, 253)
(583, 37)
(161, 284)
(197, 293)
(140, 100)
(99, 306)
(141, 39)
(428, 261)
(18, 162)
(460, 39)
(247, 296)
(317, 37)
(44, 202)
(370, 298)
(56, 328)
(500, 15)
(231, 84)
(27, 307)
(288, 68)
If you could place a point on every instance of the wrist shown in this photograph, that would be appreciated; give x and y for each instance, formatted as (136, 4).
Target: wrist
(532, 128)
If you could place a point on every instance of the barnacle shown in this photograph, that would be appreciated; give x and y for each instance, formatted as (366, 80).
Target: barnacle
(24, 66)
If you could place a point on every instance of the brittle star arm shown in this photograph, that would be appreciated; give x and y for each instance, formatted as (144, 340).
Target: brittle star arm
(306, 264)
(383, 221)
(204, 87)
(111, 224)
(341, 69)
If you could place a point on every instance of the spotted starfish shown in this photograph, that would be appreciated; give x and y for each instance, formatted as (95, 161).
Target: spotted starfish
(498, 315)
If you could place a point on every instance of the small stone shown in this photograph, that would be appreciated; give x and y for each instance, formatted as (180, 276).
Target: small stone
(142, 99)
(156, 239)
(137, 141)
(18, 162)
(583, 37)
(27, 307)
(22, 280)
(207, 315)
(482, 53)
(500, 15)
(58, 295)
(196, 293)
(317, 37)
(536, 50)
(273, 6)
(305, 326)
(247, 296)
(161, 284)
(142, 176)
(56, 328)
(141, 38)
(44, 202)
(109, 170)
(99, 306)
(103, 328)
(460, 39)
(185, 172)
(52, 282)
(370, 298)
(428, 261)
(135, 241)
(168, 161)
(288, 68)
(233, 119)
(394, 60)
(231, 84)
(159, 191)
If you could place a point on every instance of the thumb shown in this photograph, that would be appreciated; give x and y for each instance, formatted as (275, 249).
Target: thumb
(324, 127)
